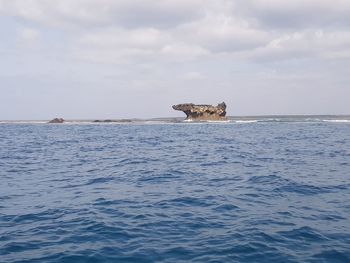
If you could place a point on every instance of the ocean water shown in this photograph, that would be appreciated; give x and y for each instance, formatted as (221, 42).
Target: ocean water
(242, 191)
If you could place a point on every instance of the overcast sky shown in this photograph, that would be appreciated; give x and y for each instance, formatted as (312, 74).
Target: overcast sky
(127, 59)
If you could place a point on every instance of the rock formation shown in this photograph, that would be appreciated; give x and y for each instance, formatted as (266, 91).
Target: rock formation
(57, 120)
(203, 112)
(103, 121)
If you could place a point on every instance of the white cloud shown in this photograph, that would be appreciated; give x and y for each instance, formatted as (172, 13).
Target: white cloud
(222, 33)
(116, 38)
(118, 45)
(28, 34)
(183, 52)
(299, 13)
(182, 30)
(27, 37)
(305, 45)
(87, 13)
(193, 75)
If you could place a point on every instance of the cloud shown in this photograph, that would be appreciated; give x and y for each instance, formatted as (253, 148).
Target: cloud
(183, 52)
(28, 37)
(176, 50)
(306, 44)
(193, 75)
(124, 31)
(87, 13)
(143, 38)
(222, 33)
(28, 34)
(298, 13)
(118, 45)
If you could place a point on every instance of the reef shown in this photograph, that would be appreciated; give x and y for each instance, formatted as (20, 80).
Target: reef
(105, 121)
(57, 120)
(203, 112)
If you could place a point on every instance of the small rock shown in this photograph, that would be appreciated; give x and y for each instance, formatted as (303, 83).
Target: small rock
(57, 120)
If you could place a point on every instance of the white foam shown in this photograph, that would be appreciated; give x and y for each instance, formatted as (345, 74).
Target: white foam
(342, 121)
(246, 121)
(225, 121)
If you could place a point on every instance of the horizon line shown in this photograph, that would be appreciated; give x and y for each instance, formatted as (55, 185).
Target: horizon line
(183, 117)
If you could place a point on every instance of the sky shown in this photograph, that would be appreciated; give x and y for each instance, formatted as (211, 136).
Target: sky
(87, 59)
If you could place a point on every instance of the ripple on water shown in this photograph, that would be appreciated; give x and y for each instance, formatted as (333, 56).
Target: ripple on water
(257, 192)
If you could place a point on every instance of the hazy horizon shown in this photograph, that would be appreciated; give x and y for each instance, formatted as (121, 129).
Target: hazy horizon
(344, 117)
(134, 59)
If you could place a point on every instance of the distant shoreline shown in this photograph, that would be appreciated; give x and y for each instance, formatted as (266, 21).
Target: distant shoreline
(256, 118)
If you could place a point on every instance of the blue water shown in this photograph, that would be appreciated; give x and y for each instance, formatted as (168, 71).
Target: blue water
(231, 192)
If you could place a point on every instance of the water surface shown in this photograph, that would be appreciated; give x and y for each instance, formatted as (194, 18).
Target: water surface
(173, 192)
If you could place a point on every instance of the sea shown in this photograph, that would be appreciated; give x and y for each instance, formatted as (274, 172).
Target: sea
(251, 189)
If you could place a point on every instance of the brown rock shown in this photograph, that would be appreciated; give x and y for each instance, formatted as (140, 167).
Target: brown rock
(203, 112)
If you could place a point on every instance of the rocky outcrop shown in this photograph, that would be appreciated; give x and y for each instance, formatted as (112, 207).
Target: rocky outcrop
(203, 112)
(57, 120)
(104, 121)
